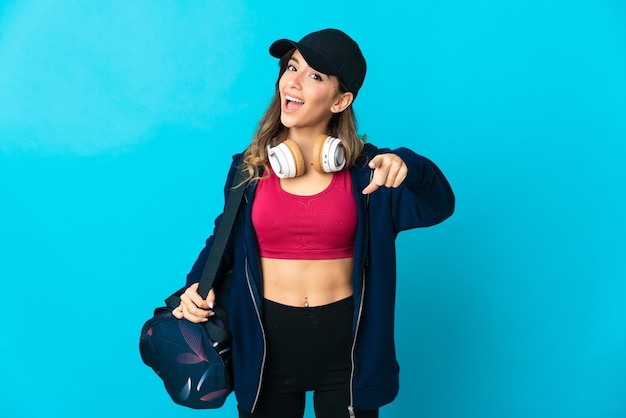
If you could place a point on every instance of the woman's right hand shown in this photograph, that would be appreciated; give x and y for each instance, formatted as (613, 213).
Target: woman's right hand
(193, 308)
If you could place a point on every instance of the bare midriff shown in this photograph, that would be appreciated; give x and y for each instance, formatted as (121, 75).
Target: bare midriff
(306, 283)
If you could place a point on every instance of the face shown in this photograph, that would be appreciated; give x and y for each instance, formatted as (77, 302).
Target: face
(309, 98)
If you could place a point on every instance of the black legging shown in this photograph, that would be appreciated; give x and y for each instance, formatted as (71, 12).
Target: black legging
(308, 349)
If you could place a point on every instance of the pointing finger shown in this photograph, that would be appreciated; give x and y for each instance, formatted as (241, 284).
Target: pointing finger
(371, 188)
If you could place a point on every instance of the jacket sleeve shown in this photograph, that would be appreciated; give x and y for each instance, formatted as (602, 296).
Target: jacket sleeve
(196, 271)
(425, 198)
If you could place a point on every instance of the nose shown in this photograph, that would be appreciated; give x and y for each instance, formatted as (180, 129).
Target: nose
(295, 80)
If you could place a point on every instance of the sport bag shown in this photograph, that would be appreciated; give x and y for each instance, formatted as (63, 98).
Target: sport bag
(193, 360)
(195, 368)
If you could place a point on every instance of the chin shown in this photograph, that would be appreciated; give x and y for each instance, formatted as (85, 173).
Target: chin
(286, 122)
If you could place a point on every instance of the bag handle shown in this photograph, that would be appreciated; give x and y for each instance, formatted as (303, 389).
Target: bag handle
(219, 242)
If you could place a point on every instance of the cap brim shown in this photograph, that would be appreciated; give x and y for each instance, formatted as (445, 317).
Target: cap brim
(281, 47)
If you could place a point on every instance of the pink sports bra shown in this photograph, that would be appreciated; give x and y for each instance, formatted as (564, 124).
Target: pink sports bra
(317, 227)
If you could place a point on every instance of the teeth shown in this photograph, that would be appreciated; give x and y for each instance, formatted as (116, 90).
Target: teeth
(293, 99)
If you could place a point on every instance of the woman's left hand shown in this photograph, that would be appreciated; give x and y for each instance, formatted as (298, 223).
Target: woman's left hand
(389, 171)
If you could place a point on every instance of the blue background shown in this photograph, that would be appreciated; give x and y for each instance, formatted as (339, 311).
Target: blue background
(117, 122)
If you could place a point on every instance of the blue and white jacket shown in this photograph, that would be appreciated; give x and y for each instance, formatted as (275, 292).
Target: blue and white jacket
(424, 199)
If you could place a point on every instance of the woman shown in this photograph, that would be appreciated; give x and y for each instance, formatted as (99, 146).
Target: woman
(312, 250)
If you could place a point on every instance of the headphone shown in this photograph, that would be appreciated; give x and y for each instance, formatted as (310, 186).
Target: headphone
(287, 161)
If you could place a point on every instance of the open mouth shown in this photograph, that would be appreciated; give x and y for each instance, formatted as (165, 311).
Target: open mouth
(293, 103)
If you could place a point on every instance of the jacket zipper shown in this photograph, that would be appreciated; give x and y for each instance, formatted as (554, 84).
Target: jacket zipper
(258, 314)
(351, 412)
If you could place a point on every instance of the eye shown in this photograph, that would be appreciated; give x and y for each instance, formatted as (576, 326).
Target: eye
(290, 67)
(317, 77)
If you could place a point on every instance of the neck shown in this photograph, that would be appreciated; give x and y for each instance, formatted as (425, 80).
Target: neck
(305, 138)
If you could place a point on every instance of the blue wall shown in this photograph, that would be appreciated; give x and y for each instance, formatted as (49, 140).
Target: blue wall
(117, 122)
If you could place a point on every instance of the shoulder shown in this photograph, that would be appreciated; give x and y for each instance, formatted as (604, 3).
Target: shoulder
(408, 155)
(371, 150)
(237, 159)
(234, 169)
(368, 152)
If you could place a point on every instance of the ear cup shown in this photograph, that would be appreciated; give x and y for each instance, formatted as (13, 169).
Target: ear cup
(286, 159)
(328, 154)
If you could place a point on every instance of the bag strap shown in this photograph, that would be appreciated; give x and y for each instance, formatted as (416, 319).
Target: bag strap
(219, 242)
(222, 234)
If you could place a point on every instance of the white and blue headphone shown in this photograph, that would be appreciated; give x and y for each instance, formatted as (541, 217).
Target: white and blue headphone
(287, 162)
